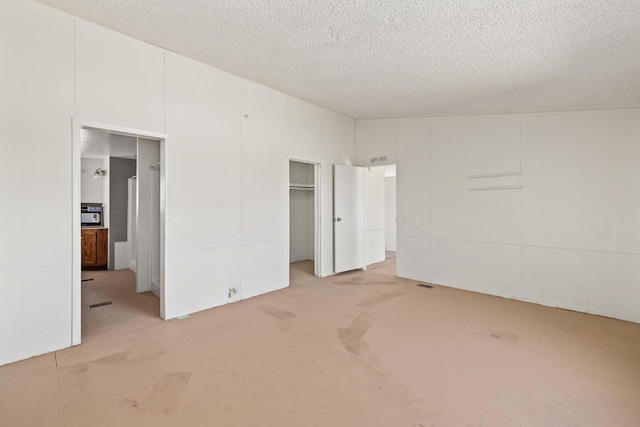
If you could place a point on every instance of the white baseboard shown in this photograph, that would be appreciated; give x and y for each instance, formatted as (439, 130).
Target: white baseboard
(155, 288)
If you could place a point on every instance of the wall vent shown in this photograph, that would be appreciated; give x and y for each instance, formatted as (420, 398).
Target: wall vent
(381, 159)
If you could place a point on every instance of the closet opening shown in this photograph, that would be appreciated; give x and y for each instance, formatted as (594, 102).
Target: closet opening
(304, 217)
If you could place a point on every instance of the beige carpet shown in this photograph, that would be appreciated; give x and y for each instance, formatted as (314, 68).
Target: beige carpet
(356, 349)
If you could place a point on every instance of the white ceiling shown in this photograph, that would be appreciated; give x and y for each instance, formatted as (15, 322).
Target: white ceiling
(395, 58)
(97, 144)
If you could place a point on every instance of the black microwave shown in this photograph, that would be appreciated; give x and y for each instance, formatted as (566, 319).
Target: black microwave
(90, 215)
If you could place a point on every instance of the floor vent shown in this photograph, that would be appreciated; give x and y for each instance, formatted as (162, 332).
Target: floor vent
(100, 304)
(422, 285)
(86, 280)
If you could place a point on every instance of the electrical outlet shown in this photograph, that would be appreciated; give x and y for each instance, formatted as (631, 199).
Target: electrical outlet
(232, 292)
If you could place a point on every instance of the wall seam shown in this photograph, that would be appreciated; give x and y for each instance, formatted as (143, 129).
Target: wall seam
(521, 204)
(75, 48)
(164, 91)
(7, 270)
(430, 154)
(74, 167)
(242, 213)
(523, 245)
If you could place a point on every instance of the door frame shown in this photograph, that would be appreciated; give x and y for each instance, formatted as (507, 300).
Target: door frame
(76, 261)
(317, 206)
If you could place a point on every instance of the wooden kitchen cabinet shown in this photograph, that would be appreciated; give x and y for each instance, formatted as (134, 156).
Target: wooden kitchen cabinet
(95, 248)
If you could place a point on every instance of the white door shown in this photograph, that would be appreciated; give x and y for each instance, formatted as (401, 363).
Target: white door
(348, 218)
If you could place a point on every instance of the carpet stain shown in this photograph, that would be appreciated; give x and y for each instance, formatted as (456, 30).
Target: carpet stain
(377, 299)
(349, 280)
(504, 336)
(131, 404)
(361, 282)
(110, 360)
(113, 359)
(379, 279)
(351, 336)
(384, 283)
(80, 368)
(165, 397)
(276, 312)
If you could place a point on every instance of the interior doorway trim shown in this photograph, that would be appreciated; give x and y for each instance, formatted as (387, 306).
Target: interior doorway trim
(76, 262)
(317, 202)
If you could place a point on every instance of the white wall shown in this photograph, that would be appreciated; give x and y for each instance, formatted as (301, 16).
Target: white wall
(35, 160)
(380, 137)
(118, 79)
(92, 190)
(227, 183)
(234, 138)
(374, 238)
(569, 238)
(203, 119)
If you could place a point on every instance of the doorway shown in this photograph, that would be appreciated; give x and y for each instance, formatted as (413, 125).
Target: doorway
(304, 216)
(141, 237)
(380, 213)
(391, 215)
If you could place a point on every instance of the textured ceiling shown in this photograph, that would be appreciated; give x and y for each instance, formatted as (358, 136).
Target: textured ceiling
(393, 58)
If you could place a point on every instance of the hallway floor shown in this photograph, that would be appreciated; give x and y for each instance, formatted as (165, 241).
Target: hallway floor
(355, 349)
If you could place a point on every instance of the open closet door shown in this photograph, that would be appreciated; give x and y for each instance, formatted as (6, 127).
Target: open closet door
(348, 218)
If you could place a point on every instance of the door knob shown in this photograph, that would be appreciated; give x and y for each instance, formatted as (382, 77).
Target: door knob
(338, 219)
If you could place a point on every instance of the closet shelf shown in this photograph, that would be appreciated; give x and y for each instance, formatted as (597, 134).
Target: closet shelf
(306, 187)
